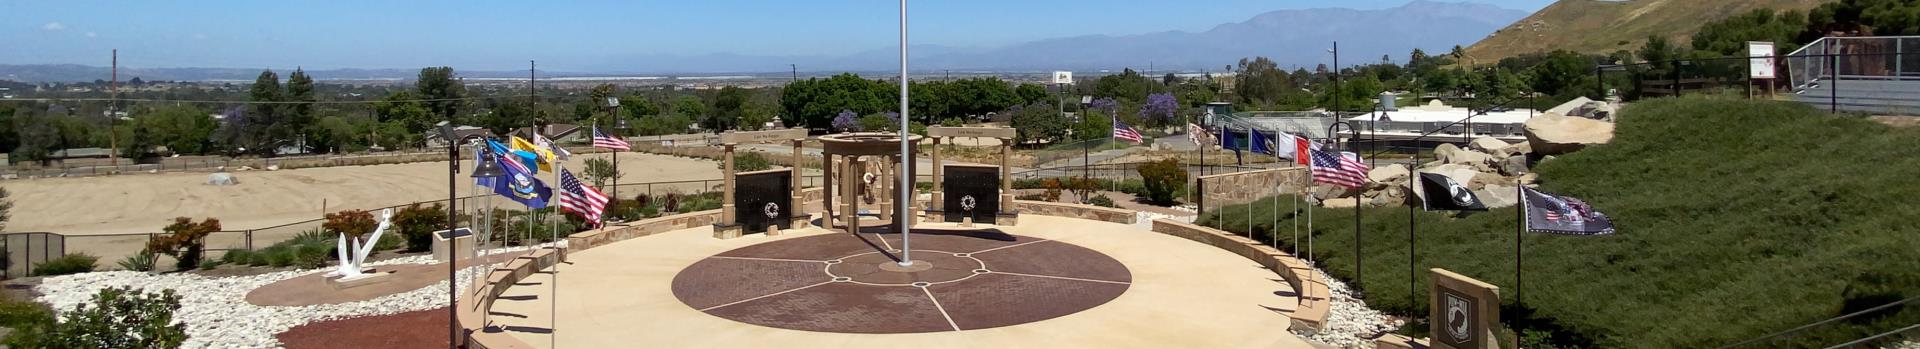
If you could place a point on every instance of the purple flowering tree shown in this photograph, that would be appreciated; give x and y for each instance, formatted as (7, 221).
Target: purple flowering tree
(1160, 109)
(847, 121)
(1107, 106)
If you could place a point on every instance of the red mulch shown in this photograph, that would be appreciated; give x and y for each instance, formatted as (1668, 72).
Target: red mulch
(420, 329)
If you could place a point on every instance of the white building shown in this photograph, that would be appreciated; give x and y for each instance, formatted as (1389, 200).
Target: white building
(1439, 122)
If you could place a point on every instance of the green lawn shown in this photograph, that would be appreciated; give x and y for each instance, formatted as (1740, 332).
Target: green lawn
(1736, 219)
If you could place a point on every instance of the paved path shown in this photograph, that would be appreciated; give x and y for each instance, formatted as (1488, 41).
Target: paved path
(1183, 294)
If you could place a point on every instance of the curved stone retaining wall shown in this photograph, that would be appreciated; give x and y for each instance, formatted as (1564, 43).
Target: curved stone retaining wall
(1315, 302)
(472, 314)
(1088, 212)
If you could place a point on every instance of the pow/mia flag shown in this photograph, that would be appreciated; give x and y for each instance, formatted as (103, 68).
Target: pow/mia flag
(1443, 194)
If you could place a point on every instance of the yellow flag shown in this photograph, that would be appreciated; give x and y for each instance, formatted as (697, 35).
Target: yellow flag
(546, 156)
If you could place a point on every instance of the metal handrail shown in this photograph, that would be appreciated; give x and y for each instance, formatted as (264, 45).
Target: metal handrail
(1819, 323)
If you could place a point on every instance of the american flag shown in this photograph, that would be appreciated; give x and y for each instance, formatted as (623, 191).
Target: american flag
(1344, 170)
(602, 140)
(1122, 131)
(580, 199)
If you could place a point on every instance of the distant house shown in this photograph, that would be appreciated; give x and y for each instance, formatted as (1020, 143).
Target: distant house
(563, 133)
(434, 139)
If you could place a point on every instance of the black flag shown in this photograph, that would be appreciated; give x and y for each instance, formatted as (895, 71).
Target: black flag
(1443, 194)
(1548, 213)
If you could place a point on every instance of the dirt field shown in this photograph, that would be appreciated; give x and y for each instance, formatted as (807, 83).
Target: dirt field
(140, 203)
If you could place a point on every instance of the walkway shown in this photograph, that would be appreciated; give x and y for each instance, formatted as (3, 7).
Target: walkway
(1181, 294)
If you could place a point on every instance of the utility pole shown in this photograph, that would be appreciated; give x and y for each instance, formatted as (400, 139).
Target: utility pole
(796, 71)
(113, 140)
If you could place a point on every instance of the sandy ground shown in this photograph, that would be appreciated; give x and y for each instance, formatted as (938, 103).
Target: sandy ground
(146, 202)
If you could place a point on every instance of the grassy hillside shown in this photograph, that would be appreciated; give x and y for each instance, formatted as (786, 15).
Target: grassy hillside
(1736, 219)
(1600, 27)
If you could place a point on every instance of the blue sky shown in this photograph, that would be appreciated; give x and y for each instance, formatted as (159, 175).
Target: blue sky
(503, 35)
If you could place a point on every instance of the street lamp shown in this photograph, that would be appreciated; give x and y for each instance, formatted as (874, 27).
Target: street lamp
(619, 124)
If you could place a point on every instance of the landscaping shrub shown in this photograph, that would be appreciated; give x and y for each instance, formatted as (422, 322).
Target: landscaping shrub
(1031, 197)
(117, 318)
(1053, 187)
(308, 249)
(748, 161)
(185, 241)
(354, 223)
(1736, 219)
(417, 224)
(72, 263)
(1163, 180)
(1102, 200)
(141, 261)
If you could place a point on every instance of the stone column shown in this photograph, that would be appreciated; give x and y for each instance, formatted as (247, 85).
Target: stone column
(850, 179)
(799, 200)
(726, 194)
(938, 192)
(826, 187)
(885, 184)
(1006, 174)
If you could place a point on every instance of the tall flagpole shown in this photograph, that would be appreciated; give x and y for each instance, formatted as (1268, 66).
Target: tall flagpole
(901, 213)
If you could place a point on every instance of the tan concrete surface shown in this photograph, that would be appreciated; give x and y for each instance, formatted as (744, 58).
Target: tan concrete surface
(1184, 295)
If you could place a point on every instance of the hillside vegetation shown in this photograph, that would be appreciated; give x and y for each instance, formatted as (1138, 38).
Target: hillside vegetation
(1736, 219)
(1602, 27)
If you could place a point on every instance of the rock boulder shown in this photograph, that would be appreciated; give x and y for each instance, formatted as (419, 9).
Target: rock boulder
(1551, 134)
(1486, 144)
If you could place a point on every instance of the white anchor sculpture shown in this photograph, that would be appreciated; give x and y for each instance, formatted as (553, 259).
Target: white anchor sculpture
(350, 268)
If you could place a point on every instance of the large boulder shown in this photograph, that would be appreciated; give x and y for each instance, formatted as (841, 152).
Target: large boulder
(1552, 134)
(1514, 165)
(1486, 144)
(222, 179)
(1445, 151)
(1521, 148)
(1388, 174)
(1468, 157)
(1497, 195)
(1462, 174)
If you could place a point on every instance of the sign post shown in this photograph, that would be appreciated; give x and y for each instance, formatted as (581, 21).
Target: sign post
(1760, 65)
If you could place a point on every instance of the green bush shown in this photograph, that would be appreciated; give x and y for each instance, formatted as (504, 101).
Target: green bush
(308, 249)
(1163, 180)
(417, 224)
(117, 318)
(1736, 219)
(73, 263)
(141, 261)
(1102, 200)
(748, 161)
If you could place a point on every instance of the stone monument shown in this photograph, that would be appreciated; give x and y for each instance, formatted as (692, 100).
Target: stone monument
(1462, 312)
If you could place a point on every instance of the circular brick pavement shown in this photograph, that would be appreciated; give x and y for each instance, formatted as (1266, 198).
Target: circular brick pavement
(961, 280)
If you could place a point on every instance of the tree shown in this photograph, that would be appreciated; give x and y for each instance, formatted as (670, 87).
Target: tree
(1159, 110)
(441, 88)
(1038, 122)
(262, 118)
(847, 121)
(182, 129)
(1729, 36)
(1562, 72)
(1129, 85)
(39, 137)
(6, 208)
(185, 241)
(1163, 180)
(405, 108)
(600, 172)
(728, 106)
(814, 102)
(1030, 93)
(299, 116)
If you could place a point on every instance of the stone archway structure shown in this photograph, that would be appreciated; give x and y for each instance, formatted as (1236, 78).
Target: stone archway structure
(845, 159)
(730, 225)
(1006, 138)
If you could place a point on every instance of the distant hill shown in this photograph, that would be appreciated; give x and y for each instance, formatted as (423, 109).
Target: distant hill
(1605, 26)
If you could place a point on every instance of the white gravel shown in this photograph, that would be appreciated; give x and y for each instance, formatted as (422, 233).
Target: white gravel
(1351, 324)
(216, 311)
(1905, 345)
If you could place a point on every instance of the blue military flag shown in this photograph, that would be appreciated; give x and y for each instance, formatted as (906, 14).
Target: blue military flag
(520, 185)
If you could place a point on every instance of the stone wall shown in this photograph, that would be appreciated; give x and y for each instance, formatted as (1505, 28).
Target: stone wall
(1243, 187)
(478, 301)
(582, 241)
(1315, 298)
(1088, 212)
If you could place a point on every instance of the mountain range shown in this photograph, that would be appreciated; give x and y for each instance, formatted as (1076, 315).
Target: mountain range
(1298, 37)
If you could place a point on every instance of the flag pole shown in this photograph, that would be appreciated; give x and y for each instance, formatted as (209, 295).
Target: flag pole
(1413, 183)
(1519, 191)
